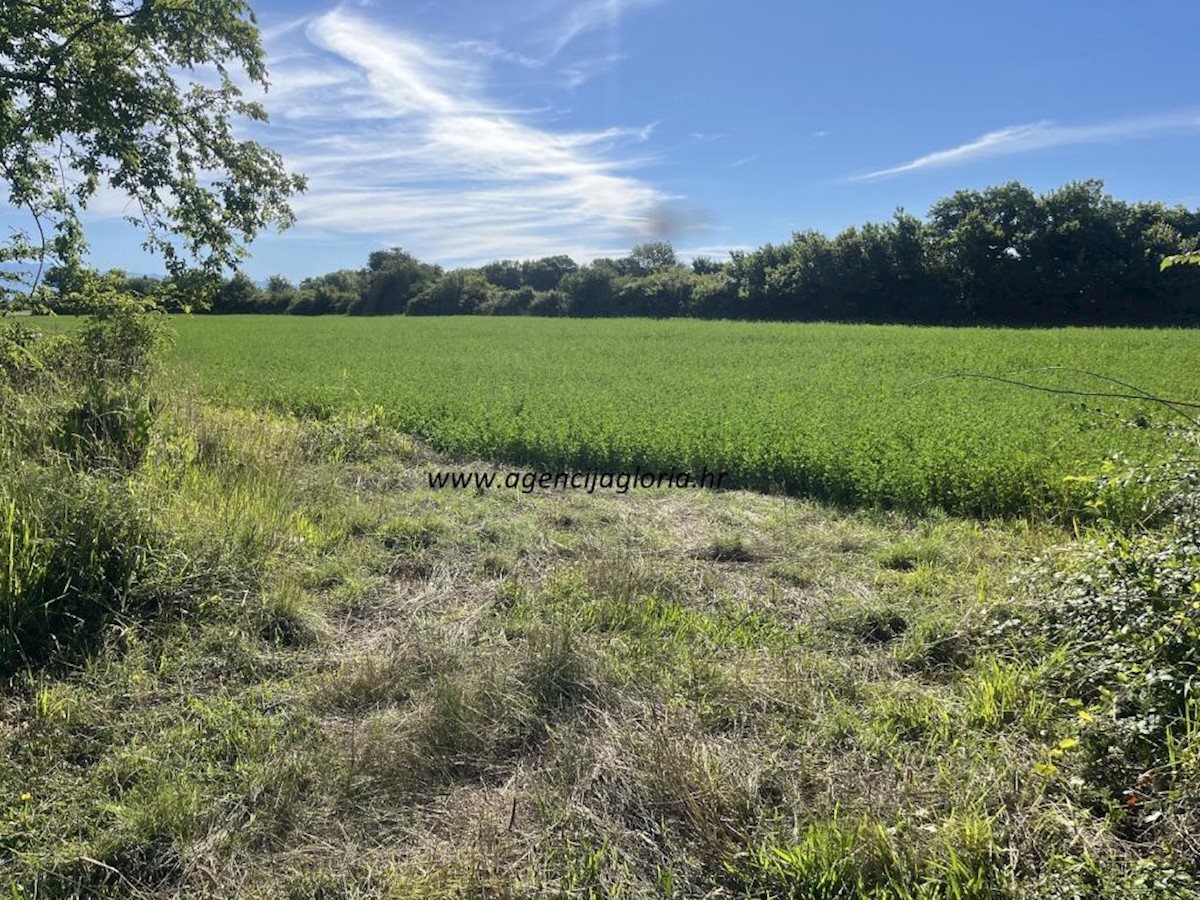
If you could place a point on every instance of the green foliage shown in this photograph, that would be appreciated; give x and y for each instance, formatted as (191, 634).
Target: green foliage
(239, 295)
(589, 292)
(662, 293)
(109, 423)
(645, 259)
(1127, 603)
(1179, 259)
(102, 89)
(1003, 255)
(454, 293)
(279, 294)
(78, 417)
(830, 411)
(390, 282)
(910, 554)
(838, 861)
(546, 274)
(1113, 622)
(336, 292)
(73, 546)
(353, 437)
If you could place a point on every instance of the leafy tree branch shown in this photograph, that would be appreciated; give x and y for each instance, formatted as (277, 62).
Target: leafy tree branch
(140, 98)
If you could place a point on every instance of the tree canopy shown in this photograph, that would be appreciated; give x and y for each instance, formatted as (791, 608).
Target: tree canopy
(1004, 255)
(139, 97)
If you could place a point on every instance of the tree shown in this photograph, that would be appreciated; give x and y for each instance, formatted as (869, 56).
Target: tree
(279, 295)
(713, 297)
(749, 273)
(237, 295)
(703, 265)
(913, 293)
(982, 242)
(547, 273)
(661, 294)
(590, 291)
(460, 292)
(646, 258)
(138, 96)
(392, 278)
(503, 273)
(334, 292)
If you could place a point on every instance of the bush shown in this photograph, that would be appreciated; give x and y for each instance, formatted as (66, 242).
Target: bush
(75, 546)
(30, 367)
(1126, 602)
(77, 419)
(548, 303)
(109, 422)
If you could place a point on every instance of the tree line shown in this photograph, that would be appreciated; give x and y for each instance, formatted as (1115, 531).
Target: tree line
(1004, 255)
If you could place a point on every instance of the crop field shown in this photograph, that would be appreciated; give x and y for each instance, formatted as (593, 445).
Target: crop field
(253, 649)
(843, 413)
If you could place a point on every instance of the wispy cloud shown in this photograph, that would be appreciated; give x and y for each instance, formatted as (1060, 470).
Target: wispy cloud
(737, 163)
(579, 73)
(1044, 135)
(492, 50)
(718, 252)
(402, 144)
(583, 16)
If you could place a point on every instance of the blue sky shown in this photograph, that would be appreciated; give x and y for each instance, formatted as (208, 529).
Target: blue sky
(469, 130)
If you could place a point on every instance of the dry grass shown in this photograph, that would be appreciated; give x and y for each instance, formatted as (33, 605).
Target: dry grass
(438, 693)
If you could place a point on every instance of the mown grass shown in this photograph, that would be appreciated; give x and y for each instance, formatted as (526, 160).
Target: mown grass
(841, 413)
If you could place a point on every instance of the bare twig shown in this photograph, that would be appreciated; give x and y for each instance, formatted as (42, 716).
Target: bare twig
(1176, 406)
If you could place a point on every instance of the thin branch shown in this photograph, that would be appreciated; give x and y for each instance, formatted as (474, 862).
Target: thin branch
(37, 278)
(1176, 406)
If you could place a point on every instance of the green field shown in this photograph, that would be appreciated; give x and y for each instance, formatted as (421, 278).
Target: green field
(256, 652)
(839, 412)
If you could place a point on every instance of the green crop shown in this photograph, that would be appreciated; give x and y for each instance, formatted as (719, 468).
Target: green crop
(841, 412)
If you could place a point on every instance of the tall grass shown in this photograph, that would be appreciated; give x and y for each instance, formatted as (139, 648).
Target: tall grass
(73, 546)
(74, 539)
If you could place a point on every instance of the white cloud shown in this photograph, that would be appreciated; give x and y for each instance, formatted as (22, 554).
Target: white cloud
(1044, 135)
(737, 163)
(400, 71)
(583, 16)
(402, 145)
(491, 50)
(583, 71)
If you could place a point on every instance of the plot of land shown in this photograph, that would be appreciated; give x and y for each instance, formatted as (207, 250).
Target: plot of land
(456, 693)
(842, 413)
(332, 679)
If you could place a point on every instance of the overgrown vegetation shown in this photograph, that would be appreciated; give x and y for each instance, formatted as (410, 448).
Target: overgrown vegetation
(1121, 612)
(1005, 255)
(335, 680)
(76, 538)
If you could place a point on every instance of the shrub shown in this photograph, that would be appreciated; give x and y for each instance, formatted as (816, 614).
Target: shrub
(74, 547)
(78, 414)
(1126, 601)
